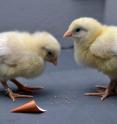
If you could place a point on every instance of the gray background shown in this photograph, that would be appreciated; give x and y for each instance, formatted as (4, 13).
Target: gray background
(65, 84)
(51, 15)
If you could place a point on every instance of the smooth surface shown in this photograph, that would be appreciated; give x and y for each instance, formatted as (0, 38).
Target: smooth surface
(63, 97)
(110, 12)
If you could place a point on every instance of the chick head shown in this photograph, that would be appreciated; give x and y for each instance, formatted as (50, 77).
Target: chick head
(49, 47)
(83, 28)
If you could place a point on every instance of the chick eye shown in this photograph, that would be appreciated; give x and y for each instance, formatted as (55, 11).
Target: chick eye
(49, 53)
(78, 30)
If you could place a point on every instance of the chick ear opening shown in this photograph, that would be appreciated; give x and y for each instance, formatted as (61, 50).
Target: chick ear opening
(45, 48)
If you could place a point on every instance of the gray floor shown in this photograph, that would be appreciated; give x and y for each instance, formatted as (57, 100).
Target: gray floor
(63, 97)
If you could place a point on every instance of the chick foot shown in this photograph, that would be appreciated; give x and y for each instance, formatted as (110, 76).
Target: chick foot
(13, 96)
(104, 91)
(23, 88)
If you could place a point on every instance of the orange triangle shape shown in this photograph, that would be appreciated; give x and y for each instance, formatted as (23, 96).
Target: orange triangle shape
(29, 107)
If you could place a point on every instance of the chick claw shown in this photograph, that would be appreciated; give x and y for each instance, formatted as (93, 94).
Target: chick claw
(102, 91)
(13, 96)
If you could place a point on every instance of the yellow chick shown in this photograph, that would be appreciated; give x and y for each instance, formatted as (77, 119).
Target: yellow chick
(95, 45)
(24, 54)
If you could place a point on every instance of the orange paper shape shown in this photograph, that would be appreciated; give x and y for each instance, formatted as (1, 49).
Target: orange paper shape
(29, 107)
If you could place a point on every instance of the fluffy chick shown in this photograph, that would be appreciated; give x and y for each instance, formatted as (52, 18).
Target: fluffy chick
(24, 54)
(95, 45)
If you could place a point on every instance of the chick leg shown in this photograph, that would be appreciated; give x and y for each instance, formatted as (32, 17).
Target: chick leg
(24, 88)
(105, 92)
(12, 95)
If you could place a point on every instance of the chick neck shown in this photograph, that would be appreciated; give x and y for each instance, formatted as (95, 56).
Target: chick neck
(40, 51)
(85, 44)
(82, 50)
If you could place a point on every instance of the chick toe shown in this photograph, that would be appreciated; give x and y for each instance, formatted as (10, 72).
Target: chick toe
(13, 95)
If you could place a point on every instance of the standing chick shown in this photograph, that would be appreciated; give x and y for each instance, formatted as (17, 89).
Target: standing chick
(24, 54)
(95, 45)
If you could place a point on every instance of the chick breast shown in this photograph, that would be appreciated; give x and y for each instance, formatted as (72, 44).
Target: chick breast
(15, 60)
(102, 53)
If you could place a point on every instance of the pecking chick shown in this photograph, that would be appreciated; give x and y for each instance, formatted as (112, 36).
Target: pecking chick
(95, 45)
(24, 54)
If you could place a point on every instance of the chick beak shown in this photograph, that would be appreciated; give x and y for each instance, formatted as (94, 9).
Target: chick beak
(68, 34)
(54, 61)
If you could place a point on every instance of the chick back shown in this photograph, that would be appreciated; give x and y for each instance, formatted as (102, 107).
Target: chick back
(19, 57)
